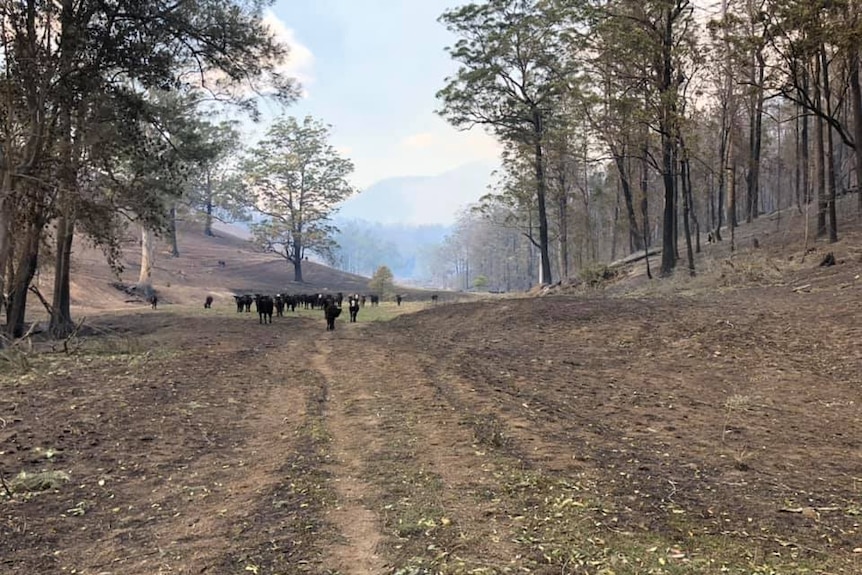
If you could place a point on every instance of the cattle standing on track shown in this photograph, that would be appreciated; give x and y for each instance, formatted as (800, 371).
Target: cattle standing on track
(353, 307)
(330, 312)
(208, 303)
(243, 303)
(264, 305)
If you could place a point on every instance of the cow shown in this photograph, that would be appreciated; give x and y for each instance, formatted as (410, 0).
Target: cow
(208, 303)
(362, 301)
(375, 299)
(398, 299)
(279, 305)
(264, 305)
(434, 298)
(330, 312)
(153, 300)
(353, 307)
(243, 303)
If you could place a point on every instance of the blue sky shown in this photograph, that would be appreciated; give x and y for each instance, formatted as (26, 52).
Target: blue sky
(371, 69)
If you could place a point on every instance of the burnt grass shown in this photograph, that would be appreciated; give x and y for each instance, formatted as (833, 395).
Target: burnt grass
(717, 432)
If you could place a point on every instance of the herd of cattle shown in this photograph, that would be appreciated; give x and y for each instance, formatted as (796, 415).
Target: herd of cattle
(267, 305)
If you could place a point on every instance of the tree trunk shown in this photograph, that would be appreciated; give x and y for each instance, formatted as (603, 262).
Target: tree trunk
(820, 157)
(148, 254)
(830, 152)
(562, 205)
(635, 238)
(61, 313)
(541, 186)
(296, 259)
(172, 231)
(645, 202)
(667, 124)
(25, 269)
(856, 92)
(5, 238)
(686, 211)
(731, 205)
(755, 143)
(208, 219)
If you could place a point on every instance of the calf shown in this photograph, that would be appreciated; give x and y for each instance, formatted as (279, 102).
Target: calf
(264, 305)
(208, 303)
(353, 307)
(330, 312)
(279, 305)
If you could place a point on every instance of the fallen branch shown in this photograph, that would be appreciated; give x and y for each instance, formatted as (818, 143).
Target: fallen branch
(802, 288)
(45, 303)
(808, 509)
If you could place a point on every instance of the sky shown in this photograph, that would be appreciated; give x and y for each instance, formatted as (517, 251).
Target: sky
(371, 69)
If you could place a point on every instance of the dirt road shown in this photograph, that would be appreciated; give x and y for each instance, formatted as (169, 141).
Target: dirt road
(554, 435)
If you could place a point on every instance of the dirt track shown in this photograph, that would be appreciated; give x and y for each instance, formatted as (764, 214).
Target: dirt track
(553, 435)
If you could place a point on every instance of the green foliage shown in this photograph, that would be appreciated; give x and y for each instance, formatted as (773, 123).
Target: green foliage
(297, 179)
(382, 282)
(480, 282)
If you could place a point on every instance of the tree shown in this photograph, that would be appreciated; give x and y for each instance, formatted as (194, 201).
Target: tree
(382, 282)
(74, 73)
(511, 76)
(297, 179)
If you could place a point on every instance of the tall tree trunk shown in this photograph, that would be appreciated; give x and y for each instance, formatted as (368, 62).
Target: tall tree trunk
(635, 239)
(61, 308)
(25, 269)
(645, 202)
(686, 209)
(820, 158)
(563, 215)
(172, 231)
(541, 186)
(830, 151)
(296, 259)
(667, 127)
(856, 99)
(208, 218)
(755, 142)
(148, 254)
(731, 205)
(5, 237)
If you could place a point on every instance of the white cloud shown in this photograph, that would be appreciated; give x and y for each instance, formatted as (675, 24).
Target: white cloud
(300, 60)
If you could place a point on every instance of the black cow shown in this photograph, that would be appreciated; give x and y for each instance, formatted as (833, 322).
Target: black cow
(434, 298)
(279, 305)
(153, 300)
(264, 305)
(208, 303)
(243, 303)
(353, 307)
(398, 299)
(330, 312)
(375, 300)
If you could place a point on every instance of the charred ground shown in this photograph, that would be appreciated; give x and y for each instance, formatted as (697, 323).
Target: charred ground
(706, 425)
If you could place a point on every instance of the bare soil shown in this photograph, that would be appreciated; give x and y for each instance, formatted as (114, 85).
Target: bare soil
(712, 428)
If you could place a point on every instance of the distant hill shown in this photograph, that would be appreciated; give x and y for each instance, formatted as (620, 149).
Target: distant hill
(197, 273)
(420, 200)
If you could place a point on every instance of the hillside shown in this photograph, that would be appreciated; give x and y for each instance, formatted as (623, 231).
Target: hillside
(188, 279)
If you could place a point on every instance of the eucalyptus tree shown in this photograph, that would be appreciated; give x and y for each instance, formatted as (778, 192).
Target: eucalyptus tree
(62, 61)
(811, 41)
(512, 72)
(296, 179)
